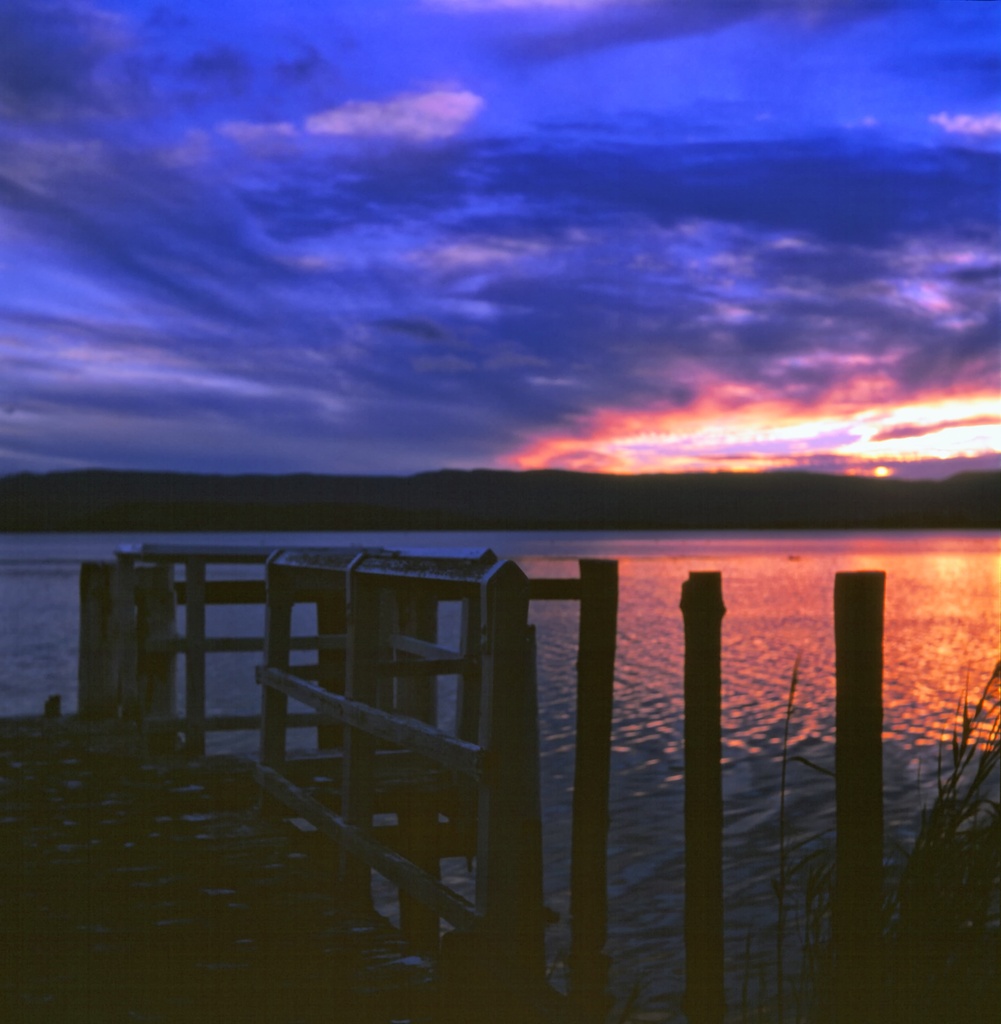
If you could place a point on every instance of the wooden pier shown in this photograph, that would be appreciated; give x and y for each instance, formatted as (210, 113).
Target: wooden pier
(373, 674)
(370, 675)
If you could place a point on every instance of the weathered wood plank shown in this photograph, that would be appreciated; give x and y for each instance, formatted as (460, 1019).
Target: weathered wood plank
(448, 904)
(230, 723)
(459, 755)
(235, 644)
(226, 592)
(427, 649)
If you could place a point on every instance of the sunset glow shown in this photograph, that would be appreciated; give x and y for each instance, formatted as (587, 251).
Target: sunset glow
(770, 438)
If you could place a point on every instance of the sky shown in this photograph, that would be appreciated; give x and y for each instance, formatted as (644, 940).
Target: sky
(393, 236)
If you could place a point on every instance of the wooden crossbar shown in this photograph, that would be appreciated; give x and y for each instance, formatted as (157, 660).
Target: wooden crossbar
(226, 592)
(227, 723)
(398, 869)
(236, 644)
(446, 750)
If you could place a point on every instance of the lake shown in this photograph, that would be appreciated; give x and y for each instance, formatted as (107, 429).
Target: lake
(943, 607)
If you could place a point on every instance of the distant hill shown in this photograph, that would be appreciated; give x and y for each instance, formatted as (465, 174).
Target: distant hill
(94, 500)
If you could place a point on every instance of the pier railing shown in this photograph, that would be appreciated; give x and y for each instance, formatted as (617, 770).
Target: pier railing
(131, 635)
(472, 791)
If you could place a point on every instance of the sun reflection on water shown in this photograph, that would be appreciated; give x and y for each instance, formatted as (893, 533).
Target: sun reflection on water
(941, 631)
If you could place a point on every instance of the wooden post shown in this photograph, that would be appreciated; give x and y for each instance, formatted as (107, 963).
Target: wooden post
(125, 651)
(274, 702)
(418, 818)
(467, 712)
(857, 906)
(97, 692)
(156, 626)
(364, 602)
(588, 874)
(331, 619)
(194, 658)
(467, 721)
(509, 857)
(703, 610)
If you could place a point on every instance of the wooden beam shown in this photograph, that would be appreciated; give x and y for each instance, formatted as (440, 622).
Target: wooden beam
(421, 885)
(460, 755)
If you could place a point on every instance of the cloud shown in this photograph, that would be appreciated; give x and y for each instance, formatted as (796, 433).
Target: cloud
(266, 139)
(478, 6)
(274, 315)
(923, 429)
(423, 329)
(307, 65)
(563, 29)
(58, 58)
(824, 187)
(968, 124)
(220, 65)
(411, 117)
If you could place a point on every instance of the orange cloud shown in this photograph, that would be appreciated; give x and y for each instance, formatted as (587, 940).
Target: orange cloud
(714, 436)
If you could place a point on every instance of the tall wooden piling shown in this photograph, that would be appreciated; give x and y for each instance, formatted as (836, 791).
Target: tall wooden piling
(97, 690)
(364, 645)
(509, 855)
(418, 818)
(703, 610)
(588, 873)
(856, 913)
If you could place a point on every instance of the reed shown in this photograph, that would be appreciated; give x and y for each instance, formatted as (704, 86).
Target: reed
(943, 931)
(942, 904)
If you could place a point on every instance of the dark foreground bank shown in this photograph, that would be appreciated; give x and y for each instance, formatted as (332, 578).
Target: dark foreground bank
(137, 891)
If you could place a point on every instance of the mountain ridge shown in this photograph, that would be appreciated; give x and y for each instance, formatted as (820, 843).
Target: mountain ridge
(481, 499)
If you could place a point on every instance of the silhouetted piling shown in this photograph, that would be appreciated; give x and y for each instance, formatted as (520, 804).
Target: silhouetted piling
(703, 610)
(588, 886)
(97, 691)
(856, 919)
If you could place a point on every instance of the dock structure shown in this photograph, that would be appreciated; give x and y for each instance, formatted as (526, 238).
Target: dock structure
(131, 635)
(370, 675)
(474, 791)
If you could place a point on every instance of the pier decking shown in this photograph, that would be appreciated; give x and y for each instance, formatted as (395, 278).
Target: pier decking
(134, 890)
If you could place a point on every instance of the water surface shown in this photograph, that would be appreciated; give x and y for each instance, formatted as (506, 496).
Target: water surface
(942, 615)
